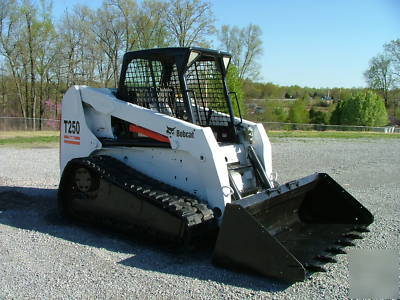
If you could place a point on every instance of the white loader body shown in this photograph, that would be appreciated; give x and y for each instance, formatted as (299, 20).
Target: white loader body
(166, 155)
(196, 162)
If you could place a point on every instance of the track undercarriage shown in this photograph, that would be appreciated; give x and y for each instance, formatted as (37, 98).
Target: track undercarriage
(101, 189)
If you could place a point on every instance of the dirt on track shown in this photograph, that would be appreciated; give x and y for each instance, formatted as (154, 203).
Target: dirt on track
(43, 256)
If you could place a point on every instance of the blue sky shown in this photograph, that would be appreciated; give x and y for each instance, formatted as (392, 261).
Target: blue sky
(315, 43)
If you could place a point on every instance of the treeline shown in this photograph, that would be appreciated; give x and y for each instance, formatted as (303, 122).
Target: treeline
(256, 90)
(364, 108)
(303, 110)
(294, 104)
(40, 56)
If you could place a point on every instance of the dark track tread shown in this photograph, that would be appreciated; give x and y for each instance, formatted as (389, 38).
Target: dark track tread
(173, 200)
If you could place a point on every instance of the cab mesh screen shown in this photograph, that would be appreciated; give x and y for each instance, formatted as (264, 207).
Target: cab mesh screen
(155, 85)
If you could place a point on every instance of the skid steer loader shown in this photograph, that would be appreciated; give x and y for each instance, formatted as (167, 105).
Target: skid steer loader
(165, 155)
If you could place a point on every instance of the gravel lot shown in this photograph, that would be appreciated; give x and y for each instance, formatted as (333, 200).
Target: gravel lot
(42, 256)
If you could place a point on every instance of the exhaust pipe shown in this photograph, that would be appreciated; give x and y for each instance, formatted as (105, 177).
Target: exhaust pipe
(291, 230)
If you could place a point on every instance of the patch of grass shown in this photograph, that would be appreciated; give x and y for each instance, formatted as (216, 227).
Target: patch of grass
(33, 139)
(331, 134)
(15, 134)
(29, 138)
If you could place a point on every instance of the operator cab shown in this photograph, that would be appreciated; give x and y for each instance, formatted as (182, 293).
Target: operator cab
(185, 83)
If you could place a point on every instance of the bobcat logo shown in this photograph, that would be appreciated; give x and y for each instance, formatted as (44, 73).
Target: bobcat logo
(170, 130)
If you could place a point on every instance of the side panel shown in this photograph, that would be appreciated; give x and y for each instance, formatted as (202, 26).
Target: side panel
(76, 138)
(262, 146)
(204, 166)
(174, 167)
(260, 143)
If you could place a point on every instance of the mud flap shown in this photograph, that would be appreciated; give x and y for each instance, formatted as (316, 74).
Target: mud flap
(286, 232)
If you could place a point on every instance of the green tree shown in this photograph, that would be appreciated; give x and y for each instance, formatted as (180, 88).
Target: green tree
(335, 116)
(379, 75)
(318, 117)
(235, 85)
(397, 113)
(298, 112)
(364, 109)
(274, 112)
(280, 114)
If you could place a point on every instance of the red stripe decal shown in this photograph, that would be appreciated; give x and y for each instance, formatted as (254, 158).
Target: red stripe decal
(72, 142)
(71, 137)
(149, 133)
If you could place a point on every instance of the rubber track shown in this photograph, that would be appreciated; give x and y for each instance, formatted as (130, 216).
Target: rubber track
(175, 201)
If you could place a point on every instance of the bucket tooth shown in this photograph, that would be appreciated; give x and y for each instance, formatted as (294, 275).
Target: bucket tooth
(325, 259)
(344, 243)
(314, 267)
(353, 236)
(335, 250)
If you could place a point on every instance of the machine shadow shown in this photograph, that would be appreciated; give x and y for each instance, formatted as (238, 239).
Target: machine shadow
(36, 209)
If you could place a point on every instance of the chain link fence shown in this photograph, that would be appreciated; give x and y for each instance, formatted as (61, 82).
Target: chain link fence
(322, 127)
(23, 124)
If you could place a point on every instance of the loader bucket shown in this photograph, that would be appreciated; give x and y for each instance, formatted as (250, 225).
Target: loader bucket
(292, 230)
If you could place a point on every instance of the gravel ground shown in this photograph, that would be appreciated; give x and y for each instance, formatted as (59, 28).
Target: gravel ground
(42, 256)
